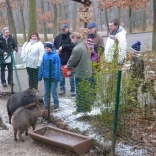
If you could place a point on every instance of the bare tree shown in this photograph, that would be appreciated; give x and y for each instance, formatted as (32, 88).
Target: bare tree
(21, 8)
(32, 16)
(11, 20)
(154, 27)
(130, 20)
(44, 23)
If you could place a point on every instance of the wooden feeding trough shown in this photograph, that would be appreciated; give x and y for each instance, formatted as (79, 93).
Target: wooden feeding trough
(62, 139)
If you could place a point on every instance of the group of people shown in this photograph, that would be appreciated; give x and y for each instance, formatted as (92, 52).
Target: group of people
(69, 50)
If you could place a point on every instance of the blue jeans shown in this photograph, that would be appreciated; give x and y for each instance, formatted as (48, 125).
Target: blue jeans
(53, 91)
(71, 80)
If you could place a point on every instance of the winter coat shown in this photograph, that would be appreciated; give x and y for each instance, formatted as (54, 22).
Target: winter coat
(97, 40)
(80, 61)
(32, 54)
(113, 49)
(64, 41)
(137, 67)
(6, 46)
(55, 69)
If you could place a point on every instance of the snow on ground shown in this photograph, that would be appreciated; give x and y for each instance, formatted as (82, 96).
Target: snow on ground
(126, 150)
(67, 106)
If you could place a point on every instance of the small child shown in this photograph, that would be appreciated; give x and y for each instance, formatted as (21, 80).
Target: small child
(137, 64)
(50, 53)
(137, 70)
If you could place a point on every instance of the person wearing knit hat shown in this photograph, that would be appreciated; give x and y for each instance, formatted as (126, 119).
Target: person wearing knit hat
(136, 47)
(50, 53)
(136, 72)
(49, 45)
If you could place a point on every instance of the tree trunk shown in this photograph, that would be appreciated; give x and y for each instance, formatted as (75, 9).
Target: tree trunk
(11, 20)
(130, 20)
(22, 22)
(44, 23)
(100, 13)
(144, 20)
(154, 27)
(66, 9)
(60, 17)
(119, 15)
(107, 24)
(75, 16)
(32, 17)
(94, 12)
(55, 21)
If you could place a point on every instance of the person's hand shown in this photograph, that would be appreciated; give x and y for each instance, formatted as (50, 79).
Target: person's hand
(60, 48)
(58, 52)
(5, 53)
(14, 52)
(116, 40)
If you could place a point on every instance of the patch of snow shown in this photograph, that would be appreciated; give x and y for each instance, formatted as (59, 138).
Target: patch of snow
(67, 106)
(126, 150)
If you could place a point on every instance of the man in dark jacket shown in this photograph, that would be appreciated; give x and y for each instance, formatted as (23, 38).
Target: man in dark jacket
(64, 48)
(6, 42)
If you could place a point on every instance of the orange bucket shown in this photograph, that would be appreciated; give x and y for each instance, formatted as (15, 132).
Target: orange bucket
(67, 72)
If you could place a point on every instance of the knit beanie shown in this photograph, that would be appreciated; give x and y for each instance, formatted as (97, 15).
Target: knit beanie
(90, 43)
(48, 44)
(136, 47)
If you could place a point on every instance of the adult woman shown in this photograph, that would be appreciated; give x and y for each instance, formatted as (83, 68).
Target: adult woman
(81, 64)
(32, 53)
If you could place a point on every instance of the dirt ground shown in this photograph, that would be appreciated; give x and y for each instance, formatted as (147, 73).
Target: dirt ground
(10, 147)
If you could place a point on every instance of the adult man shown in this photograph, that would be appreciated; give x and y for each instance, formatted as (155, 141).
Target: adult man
(97, 39)
(116, 43)
(115, 51)
(64, 48)
(97, 42)
(6, 42)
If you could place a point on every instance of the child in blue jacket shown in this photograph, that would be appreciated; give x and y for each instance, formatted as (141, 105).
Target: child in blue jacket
(50, 53)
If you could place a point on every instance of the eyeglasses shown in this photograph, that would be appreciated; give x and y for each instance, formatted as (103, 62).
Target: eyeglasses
(62, 29)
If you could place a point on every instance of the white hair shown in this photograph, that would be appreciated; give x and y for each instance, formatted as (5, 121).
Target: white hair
(5, 28)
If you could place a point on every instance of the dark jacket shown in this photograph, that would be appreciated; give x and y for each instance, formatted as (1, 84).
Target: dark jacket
(64, 41)
(6, 47)
(137, 67)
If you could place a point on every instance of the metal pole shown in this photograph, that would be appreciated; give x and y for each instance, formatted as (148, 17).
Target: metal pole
(49, 87)
(16, 74)
(116, 112)
(14, 63)
(12, 90)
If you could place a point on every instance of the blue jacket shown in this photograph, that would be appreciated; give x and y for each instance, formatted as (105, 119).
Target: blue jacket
(55, 69)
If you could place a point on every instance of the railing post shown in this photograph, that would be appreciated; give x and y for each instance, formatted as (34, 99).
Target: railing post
(14, 63)
(50, 67)
(116, 112)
